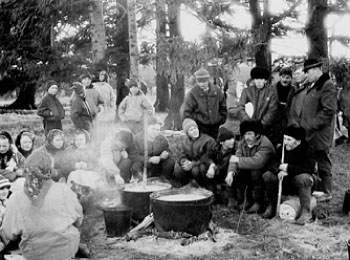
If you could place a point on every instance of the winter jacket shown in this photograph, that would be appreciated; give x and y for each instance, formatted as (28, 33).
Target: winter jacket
(107, 93)
(344, 105)
(52, 112)
(13, 159)
(253, 158)
(48, 227)
(80, 113)
(299, 160)
(265, 104)
(199, 151)
(132, 108)
(222, 159)
(317, 115)
(295, 103)
(207, 108)
(155, 148)
(94, 100)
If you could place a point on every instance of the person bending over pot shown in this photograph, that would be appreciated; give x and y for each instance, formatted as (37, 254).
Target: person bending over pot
(159, 160)
(52, 213)
(196, 156)
(296, 169)
(247, 166)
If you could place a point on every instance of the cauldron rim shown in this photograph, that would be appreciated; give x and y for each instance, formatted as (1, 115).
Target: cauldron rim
(208, 195)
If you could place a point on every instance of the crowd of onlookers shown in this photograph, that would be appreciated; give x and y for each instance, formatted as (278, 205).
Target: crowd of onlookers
(248, 143)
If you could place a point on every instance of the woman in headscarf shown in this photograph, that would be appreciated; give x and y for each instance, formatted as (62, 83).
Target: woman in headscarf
(56, 148)
(11, 161)
(53, 214)
(25, 142)
(51, 109)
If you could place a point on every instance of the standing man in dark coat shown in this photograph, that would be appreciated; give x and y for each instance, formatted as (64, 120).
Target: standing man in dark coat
(205, 104)
(317, 118)
(296, 168)
(262, 99)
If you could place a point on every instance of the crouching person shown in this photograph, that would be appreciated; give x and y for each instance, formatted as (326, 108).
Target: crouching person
(52, 213)
(159, 160)
(246, 168)
(296, 168)
(196, 156)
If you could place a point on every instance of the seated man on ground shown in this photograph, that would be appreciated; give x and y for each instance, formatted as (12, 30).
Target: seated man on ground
(296, 167)
(246, 168)
(114, 155)
(196, 160)
(159, 160)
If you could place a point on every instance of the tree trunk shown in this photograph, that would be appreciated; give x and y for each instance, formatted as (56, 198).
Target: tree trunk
(134, 54)
(315, 29)
(173, 120)
(162, 95)
(98, 31)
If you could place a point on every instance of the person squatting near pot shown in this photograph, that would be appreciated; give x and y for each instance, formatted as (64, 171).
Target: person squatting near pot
(134, 107)
(318, 118)
(11, 161)
(25, 142)
(296, 169)
(52, 214)
(159, 160)
(249, 163)
(51, 109)
(259, 102)
(80, 112)
(196, 160)
(114, 155)
(205, 103)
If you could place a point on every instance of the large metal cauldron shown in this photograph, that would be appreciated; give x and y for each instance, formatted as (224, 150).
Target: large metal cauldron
(182, 210)
(137, 197)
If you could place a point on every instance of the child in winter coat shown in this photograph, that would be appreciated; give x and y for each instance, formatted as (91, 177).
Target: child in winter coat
(133, 107)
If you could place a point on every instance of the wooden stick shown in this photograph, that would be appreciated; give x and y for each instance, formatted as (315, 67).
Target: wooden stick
(280, 185)
(145, 127)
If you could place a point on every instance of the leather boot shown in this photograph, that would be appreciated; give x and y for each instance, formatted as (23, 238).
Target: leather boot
(270, 211)
(327, 189)
(305, 204)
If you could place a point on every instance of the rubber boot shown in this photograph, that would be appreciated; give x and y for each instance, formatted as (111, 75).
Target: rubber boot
(258, 197)
(271, 185)
(305, 204)
(270, 211)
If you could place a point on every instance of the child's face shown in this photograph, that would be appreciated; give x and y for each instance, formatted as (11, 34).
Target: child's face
(4, 192)
(26, 143)
(80, 141)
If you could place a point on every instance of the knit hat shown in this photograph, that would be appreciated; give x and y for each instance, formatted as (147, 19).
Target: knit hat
(225, 134)
(50, 83)
(78, 87)
(133, 83)
(6, 135)
(260, 73)
(298, 133)
(202, 75)
(286, 71)
(85, 75)
(311, 63)
(187, 124)
(251, 125)
(4, 182)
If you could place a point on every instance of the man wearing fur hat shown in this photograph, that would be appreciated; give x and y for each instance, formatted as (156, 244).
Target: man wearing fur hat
(196, 156)
(317, 118)
(263, 100)
(205, 104)
(296, 167)
(80, 112)
(249, 163)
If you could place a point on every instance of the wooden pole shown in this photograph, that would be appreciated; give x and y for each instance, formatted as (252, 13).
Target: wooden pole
(145, 131)
(280, 179)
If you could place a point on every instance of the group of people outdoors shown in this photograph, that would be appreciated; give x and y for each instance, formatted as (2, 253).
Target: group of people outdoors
(249, 143)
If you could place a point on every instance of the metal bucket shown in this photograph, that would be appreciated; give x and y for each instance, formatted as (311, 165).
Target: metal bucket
(182, 210)
(117, 220)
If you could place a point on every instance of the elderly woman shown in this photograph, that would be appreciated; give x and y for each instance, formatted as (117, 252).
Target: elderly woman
(11, 161)
(53, 214)
(25, 142)
(51, 109)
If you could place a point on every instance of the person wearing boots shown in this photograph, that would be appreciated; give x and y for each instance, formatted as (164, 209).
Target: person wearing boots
(318, 118)
(296, 167)
(247, 166)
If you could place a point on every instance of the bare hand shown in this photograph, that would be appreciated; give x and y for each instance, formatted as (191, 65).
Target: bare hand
(229, 178)
(154, 159)
(211, 172)
(164, 155)
(283, 167)
(282, 174)
(187, 165)
(124, 154)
